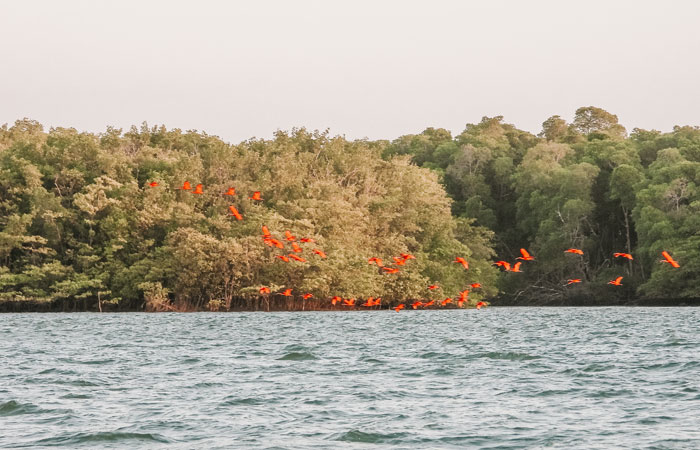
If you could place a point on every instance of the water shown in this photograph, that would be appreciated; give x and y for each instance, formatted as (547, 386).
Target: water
(496, 378)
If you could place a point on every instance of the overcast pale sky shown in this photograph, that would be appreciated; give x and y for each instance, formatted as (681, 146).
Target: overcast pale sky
(375, 69)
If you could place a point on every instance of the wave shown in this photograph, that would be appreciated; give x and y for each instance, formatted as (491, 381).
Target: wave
(298, 356)
(103, 436)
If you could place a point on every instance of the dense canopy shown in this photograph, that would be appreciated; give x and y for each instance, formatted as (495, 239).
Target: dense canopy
(99, 216)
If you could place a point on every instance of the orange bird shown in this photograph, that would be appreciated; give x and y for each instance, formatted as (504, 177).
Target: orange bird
(296, 258)
(153, 184)
(400, 307)
(574, 250)
(575, 280)
(390, 270)
(319, 253)
(287, 292)
(463, 297)
(415, 305)
(430, 303)
(616, 281)
(399, 261)
(266, 231)
(505, 265)
(283, 258)
(235, 213)
(307, 296)
(264, 290)
(256, 196)
(446, 301)
(296, 248)
(369, 302)
(231, 191)
(462, 261)
(185, 186)
(335, 300)
(407, 256)
(274, 243)
(516, 267)
(306, 240)
(475, 285)
(432, 287)
(289, 236)
(198, 189)
(349, 302)
(480, 304)
(668, 259)
(526, 256)
(376, 261)
(623, 255)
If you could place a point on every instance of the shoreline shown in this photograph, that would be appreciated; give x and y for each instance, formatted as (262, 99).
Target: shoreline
(31, 306)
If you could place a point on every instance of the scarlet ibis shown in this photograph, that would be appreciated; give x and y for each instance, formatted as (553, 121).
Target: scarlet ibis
(668, 259)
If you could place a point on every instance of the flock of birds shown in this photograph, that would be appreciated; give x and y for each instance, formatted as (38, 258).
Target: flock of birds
(397, 261)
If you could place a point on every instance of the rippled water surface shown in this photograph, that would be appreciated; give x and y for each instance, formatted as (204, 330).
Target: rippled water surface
(496, 378)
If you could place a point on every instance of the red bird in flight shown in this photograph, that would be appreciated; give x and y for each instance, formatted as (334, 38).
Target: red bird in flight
(231, 191)
(266, 232)
(446, 301)
(307, 296)
(400, 307)
(526, 256)
(616, 282)
(264, 290)
(574, 250)
(480, 304)
(287, 292)
(273, 243)
(623, 255)
(296, 258)
(185, 186)
(432, 287)
(319, 253)
(475, 285)
(296, 248)
(376, 261)
(575, 280)
(283, 258)
(504, 264)
(256, 196)
(461, 261)
(390, 270)
(153, 184)
(668, 259)
(235, 213)
(306, 240)
(198, 190)
(288, 236)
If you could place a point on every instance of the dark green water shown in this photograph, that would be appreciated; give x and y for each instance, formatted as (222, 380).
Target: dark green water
(496, 378)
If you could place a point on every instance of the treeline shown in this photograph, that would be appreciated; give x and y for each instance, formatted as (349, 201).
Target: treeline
(80, 225)
(586, 184)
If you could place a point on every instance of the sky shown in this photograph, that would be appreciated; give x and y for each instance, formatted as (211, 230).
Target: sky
(362, 69)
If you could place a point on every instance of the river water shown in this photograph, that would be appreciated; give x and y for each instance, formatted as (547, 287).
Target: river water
(495, 378)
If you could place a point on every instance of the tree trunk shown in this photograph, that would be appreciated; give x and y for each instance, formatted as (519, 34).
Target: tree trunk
(629, 243)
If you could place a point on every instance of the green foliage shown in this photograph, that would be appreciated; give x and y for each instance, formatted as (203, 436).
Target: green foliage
(79, 222)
